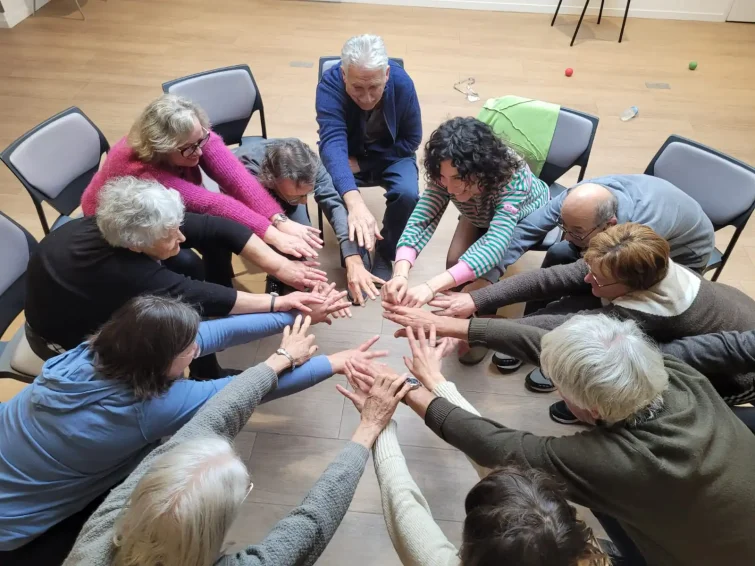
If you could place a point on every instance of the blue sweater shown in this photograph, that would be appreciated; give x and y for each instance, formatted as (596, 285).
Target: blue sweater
(343, 125)
(73, 433)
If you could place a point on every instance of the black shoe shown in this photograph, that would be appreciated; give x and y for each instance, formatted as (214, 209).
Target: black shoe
(505, 363)
(537, 382)
(381, 268)
(273, 285)
(560, 413)
(474, 356)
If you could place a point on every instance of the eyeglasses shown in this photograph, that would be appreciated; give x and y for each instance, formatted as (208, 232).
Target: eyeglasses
(561, 225)
(599, 285)
(190, 150)
(296, 200)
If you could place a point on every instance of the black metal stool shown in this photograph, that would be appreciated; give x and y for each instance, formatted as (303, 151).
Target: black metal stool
(600, 14)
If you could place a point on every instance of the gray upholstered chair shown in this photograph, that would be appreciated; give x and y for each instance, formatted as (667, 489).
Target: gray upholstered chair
(724, 186)
(17, 361)
(56, 160)
(229, 96)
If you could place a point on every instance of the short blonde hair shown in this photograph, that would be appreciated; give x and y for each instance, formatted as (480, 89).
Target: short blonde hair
(180, 511)
(631, 253)
(163, 126)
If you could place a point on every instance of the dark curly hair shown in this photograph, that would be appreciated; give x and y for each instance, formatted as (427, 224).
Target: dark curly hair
(477, 153)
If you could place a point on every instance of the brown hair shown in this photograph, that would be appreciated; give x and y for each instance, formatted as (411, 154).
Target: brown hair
(632, 253)
(288, 159)
(140, 341)
(519, 516)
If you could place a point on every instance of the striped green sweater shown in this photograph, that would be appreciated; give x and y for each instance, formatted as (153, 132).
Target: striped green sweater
(497, 211)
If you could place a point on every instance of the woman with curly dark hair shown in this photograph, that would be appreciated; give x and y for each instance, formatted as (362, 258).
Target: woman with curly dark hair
(493, 188)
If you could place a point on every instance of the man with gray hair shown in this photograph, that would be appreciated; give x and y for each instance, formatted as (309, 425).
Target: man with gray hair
(290, 171)
(667, 466)
(370, 129)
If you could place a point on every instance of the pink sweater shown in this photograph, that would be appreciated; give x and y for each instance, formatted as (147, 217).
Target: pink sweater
(243, 199)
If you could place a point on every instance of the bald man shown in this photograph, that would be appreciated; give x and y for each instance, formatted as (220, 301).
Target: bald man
(594, 205)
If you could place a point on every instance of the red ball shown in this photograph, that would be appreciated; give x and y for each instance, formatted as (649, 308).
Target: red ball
(569, 72)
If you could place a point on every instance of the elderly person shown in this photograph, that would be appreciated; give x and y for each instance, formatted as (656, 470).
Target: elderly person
(493, 189)
(370, 129)
(89, 267)
(97, 410)
(176, 508)
(667, 467)
(168, 143)
(514, 515)
(291, 171)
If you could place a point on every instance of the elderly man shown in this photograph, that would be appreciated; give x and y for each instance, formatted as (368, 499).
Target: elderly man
(290, 171)
(370, 129)
(666, 468)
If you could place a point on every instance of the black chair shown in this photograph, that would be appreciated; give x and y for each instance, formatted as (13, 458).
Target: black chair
(56, 160)
(325, 64)
(723, 186)
(16, 247)
(229, 96)
(600, 15)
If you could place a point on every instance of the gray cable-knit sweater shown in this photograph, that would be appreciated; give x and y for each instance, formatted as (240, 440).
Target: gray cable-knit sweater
(298, 539)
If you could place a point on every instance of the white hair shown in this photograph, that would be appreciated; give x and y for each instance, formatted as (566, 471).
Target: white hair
(180, 511)
(607, 365)
(136, 213)
(364, 51)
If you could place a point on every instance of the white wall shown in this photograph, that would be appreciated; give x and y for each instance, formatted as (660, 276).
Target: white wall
(18, 10)
(705, 10)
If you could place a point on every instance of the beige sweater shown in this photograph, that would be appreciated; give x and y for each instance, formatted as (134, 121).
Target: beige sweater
(418, 540)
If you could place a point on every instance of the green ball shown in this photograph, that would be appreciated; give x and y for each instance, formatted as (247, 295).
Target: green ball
(693, 65)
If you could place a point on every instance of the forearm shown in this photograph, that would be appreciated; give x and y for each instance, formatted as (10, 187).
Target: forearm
(519, 340)
(441, 282)
(247, 303)
(310, 373)
(219, 334)
(402, 267)
(335, 211)
(262, 255)
(720, 353)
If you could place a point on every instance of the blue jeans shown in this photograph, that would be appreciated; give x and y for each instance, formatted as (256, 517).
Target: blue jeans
(400, 179)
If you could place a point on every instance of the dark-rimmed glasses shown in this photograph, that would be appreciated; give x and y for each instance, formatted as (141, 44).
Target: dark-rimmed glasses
(190, 150)
(561, 225)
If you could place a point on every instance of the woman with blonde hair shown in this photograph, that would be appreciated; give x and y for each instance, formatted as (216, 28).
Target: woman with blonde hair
(169, 142)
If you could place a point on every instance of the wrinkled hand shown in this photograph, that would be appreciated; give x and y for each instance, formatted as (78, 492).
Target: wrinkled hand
(395, 289)
(457, 305)
(361, 354)
(333, 304)
(360, 281)
(362, 225)
(296, 341)
(418, 295)
(410, 317)
(301, 274)
(299, 301)
(291, 245)
(309, 234)
(376, 398)
(427, 355)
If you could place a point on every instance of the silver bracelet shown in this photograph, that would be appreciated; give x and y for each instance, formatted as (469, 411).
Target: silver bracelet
(399, 275)
(283, 352)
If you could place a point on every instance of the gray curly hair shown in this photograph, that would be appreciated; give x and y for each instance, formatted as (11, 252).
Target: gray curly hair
(288, 159)
(365, 51)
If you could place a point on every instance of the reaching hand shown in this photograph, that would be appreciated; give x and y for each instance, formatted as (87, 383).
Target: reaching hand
(297, 343)
(418, 295)
(377, 401)
(301, 274)
(288, 244)
(410, 317)
(458, 305)
(394, 290)
(361, 281)
(361, 354)
(309, 234)
(362, 225)
(333, 304)
(426, 356)
(299, 301)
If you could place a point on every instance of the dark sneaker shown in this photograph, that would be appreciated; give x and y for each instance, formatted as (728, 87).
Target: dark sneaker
(505, 363)
(273, 285)
(473, 356)
(382, 268)
(560, 413)
(537, 382)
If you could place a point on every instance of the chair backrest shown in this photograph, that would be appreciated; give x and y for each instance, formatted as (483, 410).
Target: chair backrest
(723, 186)
(229, 96)
(331, 61)
(571, 144)
(16, 247)
(56, 160)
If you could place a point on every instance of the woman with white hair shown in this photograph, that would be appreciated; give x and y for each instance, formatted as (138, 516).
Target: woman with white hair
(89, 267)
(169, 142)
(97, 410)
(667, 468)
(176, 508)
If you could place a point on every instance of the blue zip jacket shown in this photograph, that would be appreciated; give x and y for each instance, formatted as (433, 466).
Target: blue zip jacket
(343, 124)
(73, 434)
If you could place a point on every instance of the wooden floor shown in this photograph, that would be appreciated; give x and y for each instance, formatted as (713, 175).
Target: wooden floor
(114, 63)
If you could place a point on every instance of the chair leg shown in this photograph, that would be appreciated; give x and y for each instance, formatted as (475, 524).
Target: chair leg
(83, 17)
(42, 217)
(320, 223)
(624, 23)
(579, 23)
(600, 14)
(553, 21)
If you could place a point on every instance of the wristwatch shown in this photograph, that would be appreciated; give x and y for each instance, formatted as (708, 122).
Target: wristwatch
(285, 354)
(414, 384)
(278, 218)
(273, 295)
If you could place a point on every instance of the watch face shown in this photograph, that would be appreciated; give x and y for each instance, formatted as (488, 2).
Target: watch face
(413, 382)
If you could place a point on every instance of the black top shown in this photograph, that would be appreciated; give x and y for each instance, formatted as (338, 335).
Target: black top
(76, 280)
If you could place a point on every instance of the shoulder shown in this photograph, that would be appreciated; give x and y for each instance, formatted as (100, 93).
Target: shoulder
(331, 82)
(402, 82)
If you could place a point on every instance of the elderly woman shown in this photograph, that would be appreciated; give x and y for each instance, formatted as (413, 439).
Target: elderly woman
(667, 468)
(493, 188)
(168, 143)
(89, 267)
(514, 515)
(176, 508)
(97, 410)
